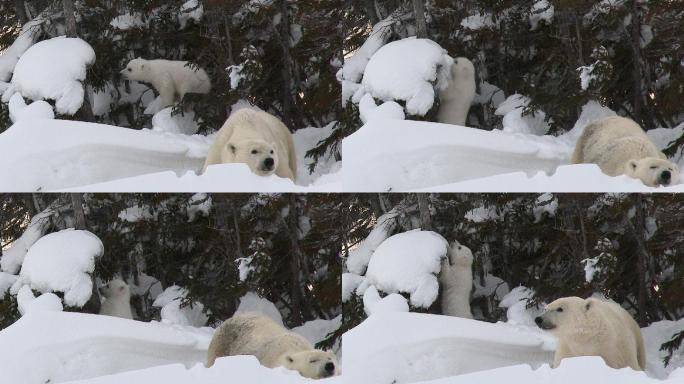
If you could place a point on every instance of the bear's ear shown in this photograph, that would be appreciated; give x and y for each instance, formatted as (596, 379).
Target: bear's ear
(587, 305)
(289, 359)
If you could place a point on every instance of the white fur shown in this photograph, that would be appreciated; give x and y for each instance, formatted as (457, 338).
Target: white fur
(456, 281)
(117, 299)
(271, 344)
(247, 131)
(456, 98)
(619, 146)
(593, 327)
(172, 79)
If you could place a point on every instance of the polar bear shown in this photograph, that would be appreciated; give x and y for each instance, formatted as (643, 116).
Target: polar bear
(258, 139)
(117, 299)
(273, 345)
(619, 146)
(456, 281)
(456, 98)
(594, 327)
(172, 79)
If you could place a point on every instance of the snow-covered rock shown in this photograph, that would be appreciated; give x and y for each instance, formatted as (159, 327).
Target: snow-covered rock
(166, 121)
(19, 110)
(175, 310)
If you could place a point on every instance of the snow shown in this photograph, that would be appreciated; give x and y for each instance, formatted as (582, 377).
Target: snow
(393, 347)
(62, 155)
(175, 310)
(517, 312)
(199, 205)
(54, 69)
(392, 75)
(19, 110)
(27, 302)
(136, 214)
(389, 110)
(545, 204)
(409, 262)
(6, 282)
(317, 330)
(62, 262)
(13, 257)
(586, 75)
(358, 259)
(541, 11)
(190, 11)
(590, 268)
(478, 21)
(166, 121)
(10, 56)
(433, 157)
(63, 346)
(394, 302)
(350, 282)
(128, 21)
(252, 302)
(355, 64)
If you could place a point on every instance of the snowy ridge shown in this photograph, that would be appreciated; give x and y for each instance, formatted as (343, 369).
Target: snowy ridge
(408, 347)
(60, 346)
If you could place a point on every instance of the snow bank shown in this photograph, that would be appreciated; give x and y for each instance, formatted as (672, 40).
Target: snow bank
(62, 262)
(62, 346)
(409, 262)
(306, 139)
(391, 74)
(175, 310)
(27, 302)
(19, 110)
(54, 69)
(166, 121)
(409, 347)
(586, 370)
(252, 302)
(424, 154)
(316, 330)
(58, 154)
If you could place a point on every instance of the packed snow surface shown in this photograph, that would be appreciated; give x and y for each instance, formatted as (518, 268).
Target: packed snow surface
(408, 262)
(49, 155)
(54, 69)
(62, 262)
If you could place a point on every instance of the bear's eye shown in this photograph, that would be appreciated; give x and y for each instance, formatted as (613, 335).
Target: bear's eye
(130, 70)
(559, 309)
(254, 152)
(459, 247)
(271, 151)
(653, 167)
(313, 361)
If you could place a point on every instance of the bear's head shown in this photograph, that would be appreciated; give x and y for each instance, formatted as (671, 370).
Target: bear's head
(115, 288)
(566, 313)
(135, 70)
(460, 255)
(653, 171)
(315, 364)
(259, 155)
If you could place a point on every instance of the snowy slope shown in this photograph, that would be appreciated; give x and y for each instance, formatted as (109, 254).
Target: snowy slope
(408, 347)
(393, 347)
(61, 346)
(424, 156)
(48, 155)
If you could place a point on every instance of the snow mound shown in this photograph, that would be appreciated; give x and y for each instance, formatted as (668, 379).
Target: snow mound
(251, 302)
(13, 257)
(62, 262)
(316, 330)
(515, 122)
(166, 121)
(54, 69)
(425, 154)
(409, 347)
(174, 310)
(27, 302)
(358, 259)
(63, 346)
(372, 303)
(391, 74)
(190, 11)
(517, 312)
(19, 110)
(408, 262)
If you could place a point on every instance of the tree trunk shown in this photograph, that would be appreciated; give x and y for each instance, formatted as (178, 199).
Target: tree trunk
(93, 304)
(20, 10)
(291, 226)
(424, 209)
(286, 64)
(369, 8)
(637, 230)
(637, 70)
(79, 215)
(421, 24)
(70, 18)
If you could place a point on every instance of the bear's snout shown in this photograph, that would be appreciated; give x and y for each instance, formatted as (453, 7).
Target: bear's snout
(329, 369)
(538, 320)
(665, 177)
(543, 324)
(268, 163)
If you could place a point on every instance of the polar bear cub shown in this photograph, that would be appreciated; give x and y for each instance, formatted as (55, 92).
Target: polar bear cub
(594, 327)
(172, 79)
(456, 98)
(117, 301)
(273, 345)
(456, 281)
(619, 146)
(258, 139)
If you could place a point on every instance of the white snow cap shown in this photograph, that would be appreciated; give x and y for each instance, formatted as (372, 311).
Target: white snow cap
(252, 302)
(409, 262)
(174, 312)
(54, 69)
(409, 70)
(62, 262)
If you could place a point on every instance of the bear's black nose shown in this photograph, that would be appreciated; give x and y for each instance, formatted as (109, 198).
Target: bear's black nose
(269, 162)
(538, 320)
(666, 175)
(329, 367)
